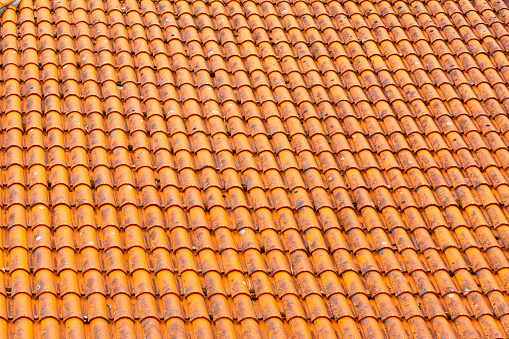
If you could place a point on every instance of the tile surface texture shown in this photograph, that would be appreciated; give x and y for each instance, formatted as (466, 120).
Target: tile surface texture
(254, 169)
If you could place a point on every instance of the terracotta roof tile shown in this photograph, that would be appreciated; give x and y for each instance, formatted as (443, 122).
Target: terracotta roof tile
(177, 169)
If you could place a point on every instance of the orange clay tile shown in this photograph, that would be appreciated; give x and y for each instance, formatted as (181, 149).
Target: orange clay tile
(254, 169)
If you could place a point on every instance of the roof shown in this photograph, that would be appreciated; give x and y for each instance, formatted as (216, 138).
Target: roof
(254, 169)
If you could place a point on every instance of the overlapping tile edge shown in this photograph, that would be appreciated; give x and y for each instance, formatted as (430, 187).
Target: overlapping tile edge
(256, 169)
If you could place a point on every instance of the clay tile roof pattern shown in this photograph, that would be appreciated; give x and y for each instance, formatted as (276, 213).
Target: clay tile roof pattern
(254, 169)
